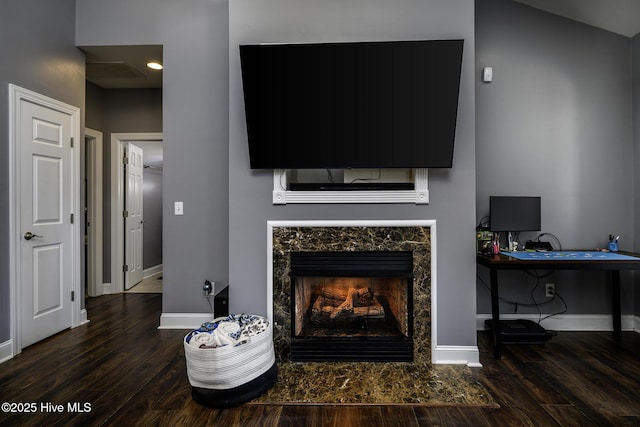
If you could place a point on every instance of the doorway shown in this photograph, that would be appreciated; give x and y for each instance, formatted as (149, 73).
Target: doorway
(93, 234)
(151, 145)
(44, 235)
(113, 73)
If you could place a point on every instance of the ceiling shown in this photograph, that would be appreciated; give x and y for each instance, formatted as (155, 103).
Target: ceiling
(123, 67)
(618, 16)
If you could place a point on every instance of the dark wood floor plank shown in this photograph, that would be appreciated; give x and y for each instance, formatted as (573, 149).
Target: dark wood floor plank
(451, 416)
(301, 416)
(166, 392)
(591, 402)
(195, 415)
(399, 415)
(507, 416)
(346, 416)
(595, 383)
(510, 394)
(526, 373)
(267, 416)
(569, 416)
(131, 373)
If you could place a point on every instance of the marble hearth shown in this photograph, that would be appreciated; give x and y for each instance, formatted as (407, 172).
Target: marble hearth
(339, 236)
(420, 382)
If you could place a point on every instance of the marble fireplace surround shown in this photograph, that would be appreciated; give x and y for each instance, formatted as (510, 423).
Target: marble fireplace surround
(418, 236)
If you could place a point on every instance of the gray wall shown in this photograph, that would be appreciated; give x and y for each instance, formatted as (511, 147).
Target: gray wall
(38, 53)
(152, 208)
(195, 120)
(452, 192)
(94, 104)
(556, 122)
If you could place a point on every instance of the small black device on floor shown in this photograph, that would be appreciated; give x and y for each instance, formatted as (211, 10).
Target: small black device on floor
(520, 331)
(221, 302)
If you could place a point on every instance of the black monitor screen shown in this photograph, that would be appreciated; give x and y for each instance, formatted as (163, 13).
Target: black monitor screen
(515, 213)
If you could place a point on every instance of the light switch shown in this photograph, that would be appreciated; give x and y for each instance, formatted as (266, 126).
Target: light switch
(178, 208)
(487, 74)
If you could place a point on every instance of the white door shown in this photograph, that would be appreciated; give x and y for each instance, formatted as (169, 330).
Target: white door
(134, 220)
(45, 226)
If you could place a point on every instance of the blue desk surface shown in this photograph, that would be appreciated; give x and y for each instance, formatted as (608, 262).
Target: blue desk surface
(568, 255)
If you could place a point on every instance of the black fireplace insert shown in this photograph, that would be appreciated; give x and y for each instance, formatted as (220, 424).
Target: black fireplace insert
(352, 306)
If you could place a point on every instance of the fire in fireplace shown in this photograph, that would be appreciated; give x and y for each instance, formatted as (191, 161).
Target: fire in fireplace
(351, 306)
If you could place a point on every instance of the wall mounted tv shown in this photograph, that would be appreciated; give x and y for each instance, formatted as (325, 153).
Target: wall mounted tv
(390, 104)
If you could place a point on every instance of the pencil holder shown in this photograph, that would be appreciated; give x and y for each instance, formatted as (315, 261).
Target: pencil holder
(613, 247)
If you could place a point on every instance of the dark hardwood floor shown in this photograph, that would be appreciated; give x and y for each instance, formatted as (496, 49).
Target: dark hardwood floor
(121, 370)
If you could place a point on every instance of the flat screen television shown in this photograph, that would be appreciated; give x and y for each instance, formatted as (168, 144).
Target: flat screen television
(390, 104)
(514, 213)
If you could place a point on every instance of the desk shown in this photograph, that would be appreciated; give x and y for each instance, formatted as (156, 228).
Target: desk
(574, 260)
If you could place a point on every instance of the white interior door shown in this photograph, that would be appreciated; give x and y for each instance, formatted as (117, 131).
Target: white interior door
(45, 230)
(134, 219)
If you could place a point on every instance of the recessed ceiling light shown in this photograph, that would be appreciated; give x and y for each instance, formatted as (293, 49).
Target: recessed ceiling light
(154, 65)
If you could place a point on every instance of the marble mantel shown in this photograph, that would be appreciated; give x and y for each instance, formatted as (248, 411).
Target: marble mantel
(417, 236)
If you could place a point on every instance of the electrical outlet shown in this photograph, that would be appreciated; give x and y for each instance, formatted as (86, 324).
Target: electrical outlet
(208, 287)
(550, 290)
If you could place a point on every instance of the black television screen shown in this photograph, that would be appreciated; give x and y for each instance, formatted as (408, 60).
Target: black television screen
(351, 105)
(514, 213)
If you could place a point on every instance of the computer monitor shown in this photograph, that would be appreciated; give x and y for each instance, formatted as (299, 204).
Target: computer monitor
(514, 213)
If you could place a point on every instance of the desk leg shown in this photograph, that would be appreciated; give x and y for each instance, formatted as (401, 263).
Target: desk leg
(495, 314)
(615, 302)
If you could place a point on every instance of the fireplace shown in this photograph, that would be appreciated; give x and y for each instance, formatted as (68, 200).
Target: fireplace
(351, 306)
(287, 237)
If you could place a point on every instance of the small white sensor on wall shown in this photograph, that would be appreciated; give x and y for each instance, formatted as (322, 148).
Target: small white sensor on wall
(487, 74)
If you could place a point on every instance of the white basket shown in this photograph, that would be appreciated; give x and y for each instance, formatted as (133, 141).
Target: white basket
(226, 367)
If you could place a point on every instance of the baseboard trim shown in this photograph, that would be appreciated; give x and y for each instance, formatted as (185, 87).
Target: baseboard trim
(84, 316)
(6, 351)
(457, 355)
(106, 289)
(183, 320)
(151, 271)
(571, 322)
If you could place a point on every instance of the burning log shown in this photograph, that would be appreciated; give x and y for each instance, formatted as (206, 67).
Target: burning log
(346, 307)
(363, 298)
(337, 296)
(336, 303)
(371, 312)
(321, 311)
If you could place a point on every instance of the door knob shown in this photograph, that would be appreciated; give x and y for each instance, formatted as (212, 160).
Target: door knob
(29, 235)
